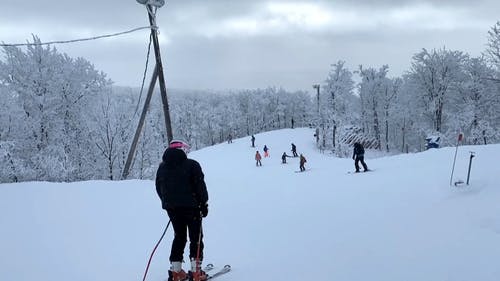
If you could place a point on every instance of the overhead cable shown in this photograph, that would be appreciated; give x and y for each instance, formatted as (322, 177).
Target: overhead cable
(78, 40)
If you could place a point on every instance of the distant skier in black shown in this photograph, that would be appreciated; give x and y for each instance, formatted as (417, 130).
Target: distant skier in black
(181, 187)
(293, 122)
(294, 150)
(253, 141)
(283, 158)
(359, 156)
(230, 138)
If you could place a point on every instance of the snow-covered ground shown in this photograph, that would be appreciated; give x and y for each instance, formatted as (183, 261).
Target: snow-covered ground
(401, 222)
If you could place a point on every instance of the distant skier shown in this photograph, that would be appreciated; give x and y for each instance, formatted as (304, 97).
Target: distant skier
(294, 150)
(258, 158)
(230, 138)
(253, 141)
(266, 151)
(359, 156)
(293, 122)
(302, 163)
(283, 158)
(181, 187)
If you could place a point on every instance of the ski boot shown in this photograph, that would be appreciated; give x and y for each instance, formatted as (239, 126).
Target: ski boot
(196, 274)
(176, 273)
(177, 276)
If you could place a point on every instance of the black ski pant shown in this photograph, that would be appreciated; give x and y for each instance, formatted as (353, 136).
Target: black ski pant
(186, 220)
(362, 160)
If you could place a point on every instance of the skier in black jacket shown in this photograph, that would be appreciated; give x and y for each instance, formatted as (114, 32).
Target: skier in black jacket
(359, 156)
(181, 187)
(294, 150)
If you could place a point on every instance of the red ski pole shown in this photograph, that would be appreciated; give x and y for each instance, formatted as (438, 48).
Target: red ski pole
(198, 263)
(154, 250)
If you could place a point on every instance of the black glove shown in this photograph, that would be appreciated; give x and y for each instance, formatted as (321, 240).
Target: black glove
(204, 210)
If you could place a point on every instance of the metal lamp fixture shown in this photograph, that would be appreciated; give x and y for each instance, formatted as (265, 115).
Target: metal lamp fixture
(154, 3)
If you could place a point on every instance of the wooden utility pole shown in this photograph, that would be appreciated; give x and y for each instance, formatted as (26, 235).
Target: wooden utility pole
(131, 152)
(317, 86)
(159, 65)
(157, 75)
(318, 118)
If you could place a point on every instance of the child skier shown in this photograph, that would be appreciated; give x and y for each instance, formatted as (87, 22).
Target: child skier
(283, 158)
(257, 159)
(302, 163)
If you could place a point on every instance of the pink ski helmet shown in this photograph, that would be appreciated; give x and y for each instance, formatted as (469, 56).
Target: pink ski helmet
(179, 144)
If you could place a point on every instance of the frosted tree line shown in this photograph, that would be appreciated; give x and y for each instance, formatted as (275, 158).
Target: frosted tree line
(444, 93)
(63, 120)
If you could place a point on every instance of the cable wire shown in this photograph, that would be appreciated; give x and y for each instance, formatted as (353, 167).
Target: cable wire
(154, 250)
(79, 40)
(144, 76)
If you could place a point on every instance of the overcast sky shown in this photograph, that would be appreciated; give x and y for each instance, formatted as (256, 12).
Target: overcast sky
(234, 44)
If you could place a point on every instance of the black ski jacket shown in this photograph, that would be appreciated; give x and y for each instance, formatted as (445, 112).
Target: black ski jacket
(180, 181)
(359, 151)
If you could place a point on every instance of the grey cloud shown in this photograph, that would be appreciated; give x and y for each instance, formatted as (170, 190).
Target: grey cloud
(294, 59)
(89, 13)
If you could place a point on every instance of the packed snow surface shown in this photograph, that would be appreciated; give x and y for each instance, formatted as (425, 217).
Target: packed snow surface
(403, 221)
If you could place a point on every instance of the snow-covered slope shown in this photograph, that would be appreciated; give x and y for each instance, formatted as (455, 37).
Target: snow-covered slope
(401, 222)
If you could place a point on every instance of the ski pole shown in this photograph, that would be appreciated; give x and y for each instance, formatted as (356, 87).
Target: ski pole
(455, 158)
(198, 250)
(152, 253)
(470, 163)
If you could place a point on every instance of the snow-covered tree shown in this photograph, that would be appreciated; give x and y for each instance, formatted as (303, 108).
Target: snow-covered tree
(476, 105)
(493, 45)
(390, 93)
(111, 134)
(55, 93)
(371, 89)
(436, 74)
(493, 55)
(336, 104)
(406, 117)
